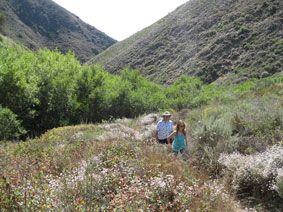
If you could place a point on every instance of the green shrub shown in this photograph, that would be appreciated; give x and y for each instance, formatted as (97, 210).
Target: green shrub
(244, 87)
(2, 19)
(243, 30)
(182, 93)
(213, 135)
(279, 185)
(10, 127)
(248, 124)
(215, 124)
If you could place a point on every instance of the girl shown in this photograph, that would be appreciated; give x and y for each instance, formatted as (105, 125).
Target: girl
(180, 142)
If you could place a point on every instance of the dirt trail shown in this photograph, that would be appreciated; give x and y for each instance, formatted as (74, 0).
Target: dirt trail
(139, 129)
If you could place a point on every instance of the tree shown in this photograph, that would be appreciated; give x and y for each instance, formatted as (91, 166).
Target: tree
(10, 127)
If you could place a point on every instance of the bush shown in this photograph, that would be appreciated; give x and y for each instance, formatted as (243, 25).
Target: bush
(259, 116)
(2, 19)
(10, 127)
(214, 135)
(279, 182)
(182, 93)
(247, 126)
(259, 174)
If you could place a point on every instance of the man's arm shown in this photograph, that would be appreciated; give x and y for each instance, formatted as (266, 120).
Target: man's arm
(157, 131)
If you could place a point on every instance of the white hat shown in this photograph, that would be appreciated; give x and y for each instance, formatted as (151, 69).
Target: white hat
(166, 113)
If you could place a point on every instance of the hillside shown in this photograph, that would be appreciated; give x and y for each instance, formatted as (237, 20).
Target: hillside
(43, 23)
(211, 39)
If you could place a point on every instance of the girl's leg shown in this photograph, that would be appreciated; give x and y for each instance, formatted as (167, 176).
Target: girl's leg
(175, 153)
(185, 155)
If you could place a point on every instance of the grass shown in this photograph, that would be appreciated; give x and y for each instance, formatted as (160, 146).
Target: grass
(241, 141)
(115, 166)
(65, 169)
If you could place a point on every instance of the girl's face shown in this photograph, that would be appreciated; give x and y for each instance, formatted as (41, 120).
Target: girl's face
(181, 126)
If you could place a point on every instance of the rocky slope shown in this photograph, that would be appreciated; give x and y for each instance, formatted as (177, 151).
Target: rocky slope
(212, 39)
(43, 23)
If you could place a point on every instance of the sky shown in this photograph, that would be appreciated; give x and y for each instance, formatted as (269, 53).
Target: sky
(120, 19)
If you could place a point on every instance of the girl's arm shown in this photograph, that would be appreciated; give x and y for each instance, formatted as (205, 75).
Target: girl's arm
(187, 140)
(170, 136)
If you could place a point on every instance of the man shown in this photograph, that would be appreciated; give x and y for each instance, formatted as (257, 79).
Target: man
(164, 128)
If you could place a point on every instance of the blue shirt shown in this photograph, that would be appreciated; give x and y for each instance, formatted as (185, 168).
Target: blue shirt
(179, 142)
(164, 129)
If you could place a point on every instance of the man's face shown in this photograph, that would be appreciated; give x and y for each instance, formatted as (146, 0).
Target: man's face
(166, 118)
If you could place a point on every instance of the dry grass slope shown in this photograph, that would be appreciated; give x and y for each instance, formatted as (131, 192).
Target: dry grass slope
(214, 39)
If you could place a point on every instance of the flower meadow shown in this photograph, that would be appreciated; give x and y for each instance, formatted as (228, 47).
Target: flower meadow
(68, 169)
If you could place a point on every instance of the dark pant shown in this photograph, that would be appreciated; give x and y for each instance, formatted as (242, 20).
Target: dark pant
(183, 152)
(164, 141)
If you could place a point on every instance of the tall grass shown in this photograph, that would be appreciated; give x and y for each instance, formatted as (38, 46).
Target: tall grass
(63, 171)
(242, 141)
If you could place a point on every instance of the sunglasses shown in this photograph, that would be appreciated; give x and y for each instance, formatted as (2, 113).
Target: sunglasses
(182, 125)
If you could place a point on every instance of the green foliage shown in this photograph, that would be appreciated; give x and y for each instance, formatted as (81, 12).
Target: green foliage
(243, 87)
(134, 95)
(9, 125)
(213, 129)
(250, 123)
(89, 94)
(214, 135)
(2, 19)
(279, 186)
(182, 93)
(18, 90)
(38, 87)
(47, 89)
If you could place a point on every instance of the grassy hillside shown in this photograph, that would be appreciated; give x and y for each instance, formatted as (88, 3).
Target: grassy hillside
(215, 40)
(44, 24)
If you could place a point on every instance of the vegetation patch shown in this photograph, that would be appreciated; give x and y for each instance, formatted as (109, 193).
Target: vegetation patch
(100, 175)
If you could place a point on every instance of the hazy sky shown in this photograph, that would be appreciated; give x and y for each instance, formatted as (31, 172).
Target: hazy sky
(120, 19)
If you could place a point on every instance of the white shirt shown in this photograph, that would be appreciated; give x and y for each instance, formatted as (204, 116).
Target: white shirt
(164, 129)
